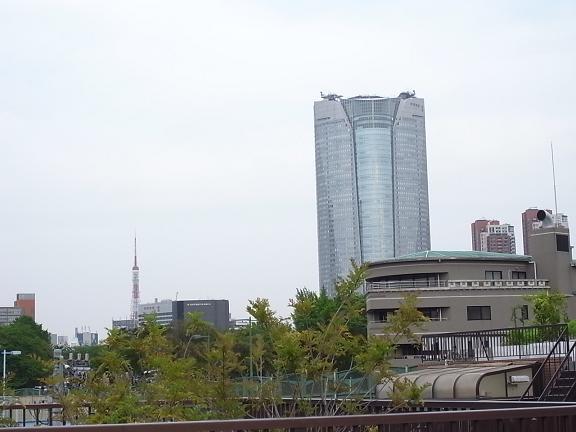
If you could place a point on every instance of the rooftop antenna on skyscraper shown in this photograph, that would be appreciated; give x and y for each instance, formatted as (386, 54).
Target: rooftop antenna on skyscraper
(554, 182)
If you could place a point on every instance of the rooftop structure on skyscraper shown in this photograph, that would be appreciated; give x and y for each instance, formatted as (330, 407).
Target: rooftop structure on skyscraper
(371, 180)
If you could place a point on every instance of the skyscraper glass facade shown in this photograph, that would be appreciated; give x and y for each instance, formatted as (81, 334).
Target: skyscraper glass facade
(371, 181)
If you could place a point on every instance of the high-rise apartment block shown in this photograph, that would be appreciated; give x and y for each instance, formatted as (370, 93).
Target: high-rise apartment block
(478, 227)
(492, 236)
(371, 180)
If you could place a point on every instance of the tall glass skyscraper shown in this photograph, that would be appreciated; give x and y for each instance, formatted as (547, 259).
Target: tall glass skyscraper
(371, 181)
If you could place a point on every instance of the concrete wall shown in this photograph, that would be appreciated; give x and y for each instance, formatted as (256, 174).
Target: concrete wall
(451, 269)
(501, 302)
(555, 265)
(501, 296)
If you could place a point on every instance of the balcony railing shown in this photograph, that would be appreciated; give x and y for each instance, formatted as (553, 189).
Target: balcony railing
(528, 418)
(456, 284)
(503, 343)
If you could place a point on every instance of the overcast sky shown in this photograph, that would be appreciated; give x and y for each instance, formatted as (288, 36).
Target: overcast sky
(191, 122)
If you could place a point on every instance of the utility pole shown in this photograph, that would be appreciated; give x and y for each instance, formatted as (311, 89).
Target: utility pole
(250, 341)
(4, 354)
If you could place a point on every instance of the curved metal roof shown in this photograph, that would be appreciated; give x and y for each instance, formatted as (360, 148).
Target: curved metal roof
(456, 255)
(460, 382)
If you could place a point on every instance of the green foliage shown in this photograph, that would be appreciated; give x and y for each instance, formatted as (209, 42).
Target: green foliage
(34, 364)
(549, 307)
(147, 374)
(522, 336)
(95, 353)
(572, 328)
(7, 422)
(312, 310)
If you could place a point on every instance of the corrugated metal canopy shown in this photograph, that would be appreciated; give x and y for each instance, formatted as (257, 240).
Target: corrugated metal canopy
(462, 382)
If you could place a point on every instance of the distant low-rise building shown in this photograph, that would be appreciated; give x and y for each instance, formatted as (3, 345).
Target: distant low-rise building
(125, 324)
(216, 312)
(26, 302)
(24, 305)
(166, 312)
(86, 337)
(161, 310)
(9, 314)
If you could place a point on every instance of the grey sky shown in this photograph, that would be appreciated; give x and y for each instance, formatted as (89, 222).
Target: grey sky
(191, 122)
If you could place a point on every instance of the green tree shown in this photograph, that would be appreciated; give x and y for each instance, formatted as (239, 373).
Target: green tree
(146, 375)
(311, 309)
(34, 364)
(549, 307)
(324, 345)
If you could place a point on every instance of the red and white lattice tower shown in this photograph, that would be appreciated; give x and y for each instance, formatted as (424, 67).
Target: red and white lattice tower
(135, 289)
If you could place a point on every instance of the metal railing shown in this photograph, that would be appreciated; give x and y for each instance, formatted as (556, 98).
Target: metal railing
(503, 343)
(561, 385)
(547, 368)
(376, 286)
(50, 414)
(462, 284)
(549, 419)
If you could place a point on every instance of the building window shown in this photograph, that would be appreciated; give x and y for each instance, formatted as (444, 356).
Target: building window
(519, 275)
(493, 274)
(524, 312)
(477, 313)
(562, 243)
(383, 315)
(434, 313)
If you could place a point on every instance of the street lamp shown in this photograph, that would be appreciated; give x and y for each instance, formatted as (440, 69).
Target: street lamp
(5, 353)
(196, 337)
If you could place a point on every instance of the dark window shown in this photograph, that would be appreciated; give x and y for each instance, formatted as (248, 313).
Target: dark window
(491, 274)
(524, 311)
(434, 314)
(382, 315)
(476, 313)
(518, 275)
(562, 243)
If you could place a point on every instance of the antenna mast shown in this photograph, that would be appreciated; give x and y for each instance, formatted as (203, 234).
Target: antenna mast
(554, 182)
(135, 289)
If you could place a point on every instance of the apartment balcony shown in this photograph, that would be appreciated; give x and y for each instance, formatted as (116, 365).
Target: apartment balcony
(374, 287)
